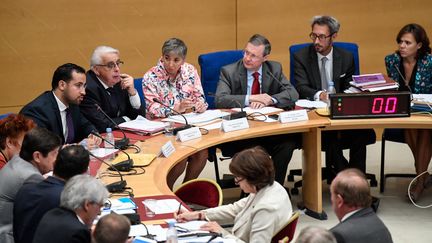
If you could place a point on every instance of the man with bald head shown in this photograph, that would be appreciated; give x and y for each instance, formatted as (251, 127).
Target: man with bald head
(351, 200)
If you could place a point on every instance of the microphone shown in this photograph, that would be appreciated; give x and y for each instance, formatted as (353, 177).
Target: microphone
(122, 143)
(114, 187)
(125, 165)
(240, 114)
(283, 86)
(178, 129)
(403, 78)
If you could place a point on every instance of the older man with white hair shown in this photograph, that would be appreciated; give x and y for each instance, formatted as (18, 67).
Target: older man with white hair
(109, 89)
(80, 203)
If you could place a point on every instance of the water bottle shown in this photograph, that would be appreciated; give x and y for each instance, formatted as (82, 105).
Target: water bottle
(110, 138)
(171, 233)
(331, 90)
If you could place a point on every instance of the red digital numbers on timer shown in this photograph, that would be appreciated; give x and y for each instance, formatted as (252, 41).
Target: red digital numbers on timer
(387, 104)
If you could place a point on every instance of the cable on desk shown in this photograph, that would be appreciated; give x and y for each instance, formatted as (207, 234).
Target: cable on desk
(253, 116)
(203, 131)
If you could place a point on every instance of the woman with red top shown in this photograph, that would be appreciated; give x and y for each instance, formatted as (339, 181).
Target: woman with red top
(12, 131)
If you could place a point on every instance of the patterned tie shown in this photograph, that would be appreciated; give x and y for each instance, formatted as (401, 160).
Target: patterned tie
(70, 127)
(255, 85)
(324, 81)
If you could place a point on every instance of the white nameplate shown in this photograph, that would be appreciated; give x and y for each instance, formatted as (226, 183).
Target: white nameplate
(293, 116)
(189, 134)
(167, 149)
(234, 125)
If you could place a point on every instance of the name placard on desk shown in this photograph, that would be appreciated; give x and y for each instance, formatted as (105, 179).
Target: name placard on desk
(234, 125)
(293, 116)
(167, 149)
(189, 134)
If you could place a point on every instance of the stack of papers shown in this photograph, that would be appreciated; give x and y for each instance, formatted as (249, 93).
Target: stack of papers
(422, 102)
(165, 206)
(371, 83)
(311, 104)
(143, 126)
(197, 118)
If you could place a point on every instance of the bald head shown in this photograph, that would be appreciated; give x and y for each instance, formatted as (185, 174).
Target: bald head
(352, 186)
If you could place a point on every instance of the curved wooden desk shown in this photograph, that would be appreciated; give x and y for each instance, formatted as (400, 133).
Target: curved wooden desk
(153, 182)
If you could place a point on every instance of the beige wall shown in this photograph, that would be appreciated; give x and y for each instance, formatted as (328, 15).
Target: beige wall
(38, 36)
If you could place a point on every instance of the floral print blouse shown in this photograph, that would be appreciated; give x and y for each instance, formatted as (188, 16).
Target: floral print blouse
(421, 79)
(156, 84)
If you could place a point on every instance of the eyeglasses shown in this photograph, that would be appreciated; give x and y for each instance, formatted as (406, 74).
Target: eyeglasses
(313, 36)
(111, 65)
(246, 53)
(237, 180)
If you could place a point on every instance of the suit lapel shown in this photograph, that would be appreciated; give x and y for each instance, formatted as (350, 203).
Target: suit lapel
(313, 60)
(243, 78)
(56, 111)
(241, 219)
(266, 79)
(337, 68)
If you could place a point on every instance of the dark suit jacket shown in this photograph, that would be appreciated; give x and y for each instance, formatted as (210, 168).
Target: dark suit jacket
(307, 74)
(45, 112)
(96, 94)
(61, 225)
(363, 226)
(31, 203)
(232, 85)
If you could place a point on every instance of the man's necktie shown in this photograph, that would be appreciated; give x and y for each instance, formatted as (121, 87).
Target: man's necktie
(324, 81)
(255, 85)
(70, 127)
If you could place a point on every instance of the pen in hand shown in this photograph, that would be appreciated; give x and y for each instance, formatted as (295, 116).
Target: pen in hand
(179, 209)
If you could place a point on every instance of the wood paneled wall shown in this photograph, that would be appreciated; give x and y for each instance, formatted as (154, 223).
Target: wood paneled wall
(38, 36)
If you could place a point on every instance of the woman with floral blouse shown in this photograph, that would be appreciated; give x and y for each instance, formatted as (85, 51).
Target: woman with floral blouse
(177, 85)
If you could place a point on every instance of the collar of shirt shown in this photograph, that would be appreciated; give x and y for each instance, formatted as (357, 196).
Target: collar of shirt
(250, 79)
(82, 221)
(346, 216)
(61, 106)
(329, 56)
(102, 82)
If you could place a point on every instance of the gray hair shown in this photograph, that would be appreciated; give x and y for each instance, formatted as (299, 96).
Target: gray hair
(81, 189)
(96, 57)
(174, 45)
(258, 39)
(314, 234)
(330, 21)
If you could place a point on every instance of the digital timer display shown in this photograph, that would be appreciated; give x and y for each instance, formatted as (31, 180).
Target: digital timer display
(369, 105)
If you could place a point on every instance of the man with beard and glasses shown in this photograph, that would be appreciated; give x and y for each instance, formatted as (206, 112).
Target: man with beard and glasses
(58, 111)
(315, 67)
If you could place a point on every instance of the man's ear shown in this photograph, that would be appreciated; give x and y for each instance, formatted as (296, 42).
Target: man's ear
(339, 201)
(86, 206)
(37, 156)
(95, 70)
(334, 35)
(62, 85)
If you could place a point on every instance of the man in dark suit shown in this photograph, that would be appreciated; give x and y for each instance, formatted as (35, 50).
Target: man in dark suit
(110, 90)
(81, 200)
(33, 200)
(318, 67)
(351, 200)
(58, 110)
(256, 82)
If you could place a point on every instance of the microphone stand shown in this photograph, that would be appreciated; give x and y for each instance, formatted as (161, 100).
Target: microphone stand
(122, 143)
(283, 86)
(125, 165)
(177, 129)
(114, 187)
(240, 114)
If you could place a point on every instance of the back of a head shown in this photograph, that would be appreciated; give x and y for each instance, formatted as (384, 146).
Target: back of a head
(352, 185)
(81, 189)
(39, 139)
(71, 160)
(314, 234)
(112, 228)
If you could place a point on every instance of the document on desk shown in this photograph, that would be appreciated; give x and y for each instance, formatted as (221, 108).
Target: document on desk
(422, 98)
(264, 110)
(154, 229)
(165, 206)
(310, 104)
(197, 118)
(143, 125)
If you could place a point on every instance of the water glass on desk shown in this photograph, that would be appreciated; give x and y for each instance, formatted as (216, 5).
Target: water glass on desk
(169, 129)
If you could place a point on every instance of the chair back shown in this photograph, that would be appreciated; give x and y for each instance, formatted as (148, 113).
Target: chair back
(288, 230)
(202, 192)
(4, 115)
(210, 65)
(139, 88)
(351, 47)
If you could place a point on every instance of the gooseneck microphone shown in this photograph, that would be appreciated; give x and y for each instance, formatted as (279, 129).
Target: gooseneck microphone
(403, 78)
(125, 165)
(283, 86)
(122, 143)
(176, 130)
(240, 114)
(114, 187)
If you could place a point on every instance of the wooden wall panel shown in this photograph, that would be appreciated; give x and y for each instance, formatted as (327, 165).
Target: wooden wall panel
(372, 24)
(38, 36)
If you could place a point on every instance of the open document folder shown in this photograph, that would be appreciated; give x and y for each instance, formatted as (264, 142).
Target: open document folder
(197, 118)
(143, 126)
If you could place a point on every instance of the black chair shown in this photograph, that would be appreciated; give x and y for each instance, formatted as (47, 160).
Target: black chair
(393, 135)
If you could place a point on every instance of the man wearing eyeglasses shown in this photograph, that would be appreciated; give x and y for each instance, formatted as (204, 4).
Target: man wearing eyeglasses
(256, 82)
(111, 90)
(319, 66)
